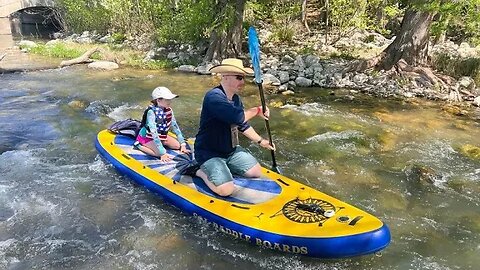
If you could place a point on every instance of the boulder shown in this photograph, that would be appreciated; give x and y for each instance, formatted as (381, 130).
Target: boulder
(303, 82)
(186, 68)
(105, 65)
(27, 44)
(269, 79)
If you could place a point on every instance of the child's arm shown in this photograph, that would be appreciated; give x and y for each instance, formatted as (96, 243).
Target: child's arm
(176, 129)
(152, 125)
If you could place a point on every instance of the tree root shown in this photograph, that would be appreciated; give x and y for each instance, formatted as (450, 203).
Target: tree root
(425, 73)
(419, 75)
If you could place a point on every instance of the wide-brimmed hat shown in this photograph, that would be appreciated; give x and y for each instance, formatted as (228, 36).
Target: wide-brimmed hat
(231, 65)
(163, 92)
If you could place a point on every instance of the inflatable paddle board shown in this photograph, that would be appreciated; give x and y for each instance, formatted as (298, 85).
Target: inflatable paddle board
(272, 212)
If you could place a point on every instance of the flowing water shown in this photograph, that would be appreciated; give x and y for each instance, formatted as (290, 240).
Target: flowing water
(63, 207)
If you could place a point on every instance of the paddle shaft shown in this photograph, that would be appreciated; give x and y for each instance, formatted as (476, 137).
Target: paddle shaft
(267, 126)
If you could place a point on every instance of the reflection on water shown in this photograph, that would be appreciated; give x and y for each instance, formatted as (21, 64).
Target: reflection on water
(61, 207)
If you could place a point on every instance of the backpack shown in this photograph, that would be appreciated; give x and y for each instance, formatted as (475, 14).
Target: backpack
(129, 127)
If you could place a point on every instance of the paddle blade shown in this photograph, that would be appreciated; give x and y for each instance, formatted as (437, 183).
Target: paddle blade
(254, 49)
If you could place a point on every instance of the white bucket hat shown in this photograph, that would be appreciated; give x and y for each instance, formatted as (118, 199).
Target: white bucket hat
(163, 92)
(232, 65)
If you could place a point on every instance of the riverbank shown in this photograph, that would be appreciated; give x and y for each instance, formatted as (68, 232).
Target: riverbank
(306, 63)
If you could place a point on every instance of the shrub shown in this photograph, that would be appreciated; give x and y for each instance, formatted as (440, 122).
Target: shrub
(458, 67)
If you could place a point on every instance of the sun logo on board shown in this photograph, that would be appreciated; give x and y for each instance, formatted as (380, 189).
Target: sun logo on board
(308, 211)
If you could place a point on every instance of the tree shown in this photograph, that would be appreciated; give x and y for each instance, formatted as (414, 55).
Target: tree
(226, 35)
(408, 52)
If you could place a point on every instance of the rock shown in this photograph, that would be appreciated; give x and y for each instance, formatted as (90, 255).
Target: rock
(106, 39)
(77, 104)
(283, 87)
(58, 35)
(269, 79)
(106, 65)
(288, 92)
(52, 42)
(467, 83)
(360, 78)
(204, 69)
(311, 60)
(476, 101)
(303, 82)
(149, 56)
(85, 40)
(423, 174)
(186, 68)
(283, 76)
(171, 55)
(470, 151)
(298, 63)
(287, 59)
(27, 44)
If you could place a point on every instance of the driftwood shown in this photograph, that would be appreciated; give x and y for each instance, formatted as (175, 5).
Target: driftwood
(2, 56)
(84, 58)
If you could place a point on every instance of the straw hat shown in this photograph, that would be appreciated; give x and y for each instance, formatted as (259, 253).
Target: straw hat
(163, 92)
(231, 65)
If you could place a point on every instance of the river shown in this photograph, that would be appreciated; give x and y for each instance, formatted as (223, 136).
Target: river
(63, 207)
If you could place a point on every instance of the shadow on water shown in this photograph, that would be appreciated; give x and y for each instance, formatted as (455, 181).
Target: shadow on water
(64, 208)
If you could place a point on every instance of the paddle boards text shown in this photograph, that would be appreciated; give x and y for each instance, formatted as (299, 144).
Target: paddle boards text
(257, 241)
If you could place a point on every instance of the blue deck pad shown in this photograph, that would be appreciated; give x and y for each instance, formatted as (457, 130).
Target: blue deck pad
(247, 190)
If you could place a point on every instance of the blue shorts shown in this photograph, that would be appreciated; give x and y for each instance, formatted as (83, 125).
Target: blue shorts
(219, 170)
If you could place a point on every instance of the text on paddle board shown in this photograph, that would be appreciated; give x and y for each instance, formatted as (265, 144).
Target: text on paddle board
(256, 240)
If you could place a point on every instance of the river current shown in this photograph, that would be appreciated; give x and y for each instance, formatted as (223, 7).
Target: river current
(411, 164)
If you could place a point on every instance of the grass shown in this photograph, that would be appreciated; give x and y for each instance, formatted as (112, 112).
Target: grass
(458, 67)
(124, 56)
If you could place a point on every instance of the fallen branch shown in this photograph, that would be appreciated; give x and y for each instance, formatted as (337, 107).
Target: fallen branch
(84, 58)
(2, 56)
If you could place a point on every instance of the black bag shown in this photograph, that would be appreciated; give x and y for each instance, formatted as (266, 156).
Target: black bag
(129, 127)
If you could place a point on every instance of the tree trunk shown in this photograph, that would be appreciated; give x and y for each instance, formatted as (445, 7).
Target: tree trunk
(304, 15)
(226, 43)
(411, 44)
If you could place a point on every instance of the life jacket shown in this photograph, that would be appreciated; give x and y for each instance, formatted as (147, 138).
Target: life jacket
(163, 119)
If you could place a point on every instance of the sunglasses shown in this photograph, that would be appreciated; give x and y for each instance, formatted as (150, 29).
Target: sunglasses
(238, 77)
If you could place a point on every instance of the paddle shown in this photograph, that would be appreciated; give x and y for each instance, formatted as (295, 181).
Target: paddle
(254, 48)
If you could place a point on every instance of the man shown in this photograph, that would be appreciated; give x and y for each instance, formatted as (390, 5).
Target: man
(222, 117)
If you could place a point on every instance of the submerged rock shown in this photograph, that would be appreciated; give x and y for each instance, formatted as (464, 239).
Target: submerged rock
(470, 151)
(423, 174)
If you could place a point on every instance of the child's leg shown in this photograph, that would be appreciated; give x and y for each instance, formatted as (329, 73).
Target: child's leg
(171, 143)
(149, 148)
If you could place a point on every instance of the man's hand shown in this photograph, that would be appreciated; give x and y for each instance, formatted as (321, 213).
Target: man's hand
(266, 144)
(265, 115)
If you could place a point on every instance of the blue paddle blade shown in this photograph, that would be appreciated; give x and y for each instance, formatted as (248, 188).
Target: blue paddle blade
(254, 48)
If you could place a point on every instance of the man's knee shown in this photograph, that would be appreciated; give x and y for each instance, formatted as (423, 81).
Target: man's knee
(225, 189)
(254, 172)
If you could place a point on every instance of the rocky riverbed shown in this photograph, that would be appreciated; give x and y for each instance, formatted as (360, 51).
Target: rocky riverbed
(285, 69)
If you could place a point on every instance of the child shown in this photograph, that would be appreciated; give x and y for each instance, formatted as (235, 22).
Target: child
(157, 120)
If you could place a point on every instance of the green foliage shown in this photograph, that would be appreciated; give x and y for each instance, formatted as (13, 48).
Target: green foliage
(346, 15)
(306, 50)
(118, 37)
(283, 33)
(84, 15)
(188, 21)
(58, 50)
